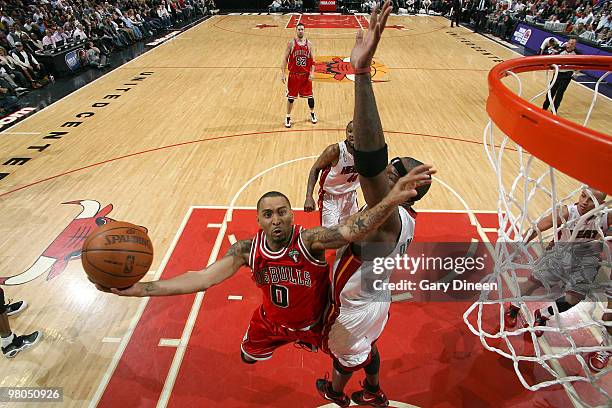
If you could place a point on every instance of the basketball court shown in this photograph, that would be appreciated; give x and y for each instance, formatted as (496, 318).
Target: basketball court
(183, 140)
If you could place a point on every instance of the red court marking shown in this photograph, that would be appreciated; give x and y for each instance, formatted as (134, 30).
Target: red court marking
(327, 21)
(210, 140)
(429, 358)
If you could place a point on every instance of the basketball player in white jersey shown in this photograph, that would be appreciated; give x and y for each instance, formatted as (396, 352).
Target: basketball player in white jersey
(338, 184)
(571, 264)
(357, 314)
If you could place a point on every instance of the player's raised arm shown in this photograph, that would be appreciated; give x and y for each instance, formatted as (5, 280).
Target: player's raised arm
(326, 159)
(195, 281)
(371, 156)
(357, 226)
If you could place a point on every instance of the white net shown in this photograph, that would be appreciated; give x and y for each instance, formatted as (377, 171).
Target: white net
(532, 275)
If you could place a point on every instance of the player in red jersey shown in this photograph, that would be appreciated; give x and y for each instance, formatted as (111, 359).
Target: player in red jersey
(288, 265)
(300, 58)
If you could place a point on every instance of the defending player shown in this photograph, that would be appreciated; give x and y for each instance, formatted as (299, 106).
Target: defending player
(358, 313)
(338, 184)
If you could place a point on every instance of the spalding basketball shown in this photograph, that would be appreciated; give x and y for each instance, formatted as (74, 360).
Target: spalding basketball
(117, 254)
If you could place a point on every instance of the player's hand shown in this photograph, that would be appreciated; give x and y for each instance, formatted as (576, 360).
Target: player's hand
(365, 44)
(309, 205)
(136, 290)
(311, 77)
(283, 78)
(405, 188)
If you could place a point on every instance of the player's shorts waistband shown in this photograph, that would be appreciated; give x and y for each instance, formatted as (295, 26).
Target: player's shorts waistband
(299, 73)
(306, 328)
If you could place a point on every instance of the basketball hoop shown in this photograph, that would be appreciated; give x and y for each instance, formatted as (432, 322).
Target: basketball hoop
(537, 130)
(541, 161)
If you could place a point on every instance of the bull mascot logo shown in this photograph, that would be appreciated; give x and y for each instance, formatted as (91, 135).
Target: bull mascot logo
(339, 69)
(67, 245)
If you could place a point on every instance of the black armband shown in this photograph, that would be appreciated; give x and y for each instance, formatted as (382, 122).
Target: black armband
(371, 164)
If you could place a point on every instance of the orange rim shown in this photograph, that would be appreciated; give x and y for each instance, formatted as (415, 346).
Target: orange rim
(575, 150)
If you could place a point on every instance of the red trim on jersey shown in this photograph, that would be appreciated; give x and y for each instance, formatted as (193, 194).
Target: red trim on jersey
(254, 243)
(278, 254)
(307, 253)
(347, 266)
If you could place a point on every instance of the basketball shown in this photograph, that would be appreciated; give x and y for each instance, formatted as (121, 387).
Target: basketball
(117, 254)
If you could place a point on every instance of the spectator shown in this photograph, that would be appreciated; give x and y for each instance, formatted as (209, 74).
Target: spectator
(48, 40)
(275, 6)
(28, 62)
(79, 33)
(94, 57)
(13, 36)
(164, 16)
(550, 46)
(17, 74)
(9, 82)
(602, 35)
(60, 36)
(578, 29)
(589, 34)
(7, 21)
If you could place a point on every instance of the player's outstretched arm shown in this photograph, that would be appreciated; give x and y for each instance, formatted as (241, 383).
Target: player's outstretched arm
(368, 129)
(359, 225)
(194, 281)
(327, 158)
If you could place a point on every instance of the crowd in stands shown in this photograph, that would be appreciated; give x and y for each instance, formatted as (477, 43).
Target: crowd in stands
(29, 27)
(283, 6)
(590, 20)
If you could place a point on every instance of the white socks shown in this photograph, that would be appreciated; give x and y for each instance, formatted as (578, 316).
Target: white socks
(7, 340)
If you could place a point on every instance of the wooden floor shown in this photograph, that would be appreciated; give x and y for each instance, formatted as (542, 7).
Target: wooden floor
(201, 123)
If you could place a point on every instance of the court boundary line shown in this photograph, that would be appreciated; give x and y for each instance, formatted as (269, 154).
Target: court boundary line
(216, 138)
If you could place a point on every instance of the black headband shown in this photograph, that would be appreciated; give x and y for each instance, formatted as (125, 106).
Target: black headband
(399, 166)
